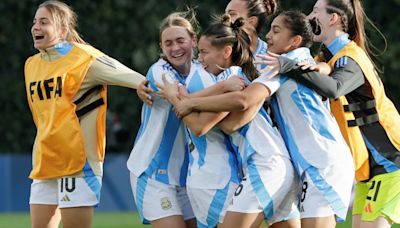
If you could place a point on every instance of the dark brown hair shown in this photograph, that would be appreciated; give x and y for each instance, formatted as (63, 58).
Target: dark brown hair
(225, 32)
(261, 9)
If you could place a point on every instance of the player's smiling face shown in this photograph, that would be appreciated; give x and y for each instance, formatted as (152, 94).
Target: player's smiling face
(279, 38)
(44, 31)
(177, 45)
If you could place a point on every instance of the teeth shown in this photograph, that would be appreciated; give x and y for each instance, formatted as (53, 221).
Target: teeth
(177, 56)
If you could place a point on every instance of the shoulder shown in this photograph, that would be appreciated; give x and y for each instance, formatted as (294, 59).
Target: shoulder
(32, 58)
(89, 49)
(347, 62)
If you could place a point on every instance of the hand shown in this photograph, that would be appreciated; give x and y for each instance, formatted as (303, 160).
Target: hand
(169, 89)
(144, 92)
(183, 108)
(320, 67)
(234, 83)
(183, 93)
(272, 61)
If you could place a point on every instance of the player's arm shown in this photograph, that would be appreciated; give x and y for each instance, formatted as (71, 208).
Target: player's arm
(233, 83)
(255, 95)
(198, 122)
(106, 70)
(343, 80)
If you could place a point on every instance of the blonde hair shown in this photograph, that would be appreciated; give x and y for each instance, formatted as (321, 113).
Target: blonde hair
(64, 17)
(185, 19)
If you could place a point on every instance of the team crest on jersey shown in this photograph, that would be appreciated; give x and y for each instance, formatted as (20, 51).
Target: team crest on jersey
(165, 203)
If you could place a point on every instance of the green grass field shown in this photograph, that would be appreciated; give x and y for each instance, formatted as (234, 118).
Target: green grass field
(103, 220)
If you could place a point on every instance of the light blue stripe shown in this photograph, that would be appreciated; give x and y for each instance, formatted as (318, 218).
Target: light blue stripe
(163, 154)
(380, 160)
(329, 194)
(140, 191)
(150, 78)
(185, 166)
(308, 103)
(260, 190)
(287, 136)
(237, 156)
(201, 225)
(195, 84)
(146, 117)
(265, 115)
(91, 180)
(201, 146)
(217, 204)
(338, 43)
(233, 161)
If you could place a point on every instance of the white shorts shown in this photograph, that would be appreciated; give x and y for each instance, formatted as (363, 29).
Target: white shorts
(155, 200)
(269, 187)
(209, 205)
(326, 192)
(67, 192)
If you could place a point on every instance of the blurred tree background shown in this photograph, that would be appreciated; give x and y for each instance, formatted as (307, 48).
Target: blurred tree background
(128, 31)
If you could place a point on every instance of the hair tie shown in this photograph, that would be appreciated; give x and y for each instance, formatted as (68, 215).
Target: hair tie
(238, 23)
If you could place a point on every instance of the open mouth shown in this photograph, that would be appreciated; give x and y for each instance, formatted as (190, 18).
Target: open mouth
(316, 26)
(38, 37)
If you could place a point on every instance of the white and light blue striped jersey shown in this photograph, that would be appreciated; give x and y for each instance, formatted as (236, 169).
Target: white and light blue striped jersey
(262, 48)
(213, 162)
(161, 147)
(309, 130)
(258, 136)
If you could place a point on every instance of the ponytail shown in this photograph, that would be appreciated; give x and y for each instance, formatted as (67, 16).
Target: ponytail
(225, 32)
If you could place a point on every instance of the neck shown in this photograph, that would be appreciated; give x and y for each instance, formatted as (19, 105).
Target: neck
(254, 44)
(183, 70)
(331, 38)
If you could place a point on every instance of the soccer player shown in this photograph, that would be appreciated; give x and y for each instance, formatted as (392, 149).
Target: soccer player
(66, 90)
(160, 155)
(317, 148)
(367, 118)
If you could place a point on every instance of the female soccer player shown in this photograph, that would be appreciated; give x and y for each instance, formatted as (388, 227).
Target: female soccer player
(159, 158)
(317, 148)
(66, 91)
(368, 120)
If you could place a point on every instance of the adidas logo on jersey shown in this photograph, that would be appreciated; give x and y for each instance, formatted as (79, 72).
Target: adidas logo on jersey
(65, 199)
(368, 208)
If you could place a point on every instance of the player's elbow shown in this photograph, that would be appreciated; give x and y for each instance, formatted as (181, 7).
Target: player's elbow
(228, 128)
(241, 101)
(332, 94)
(199, 131)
